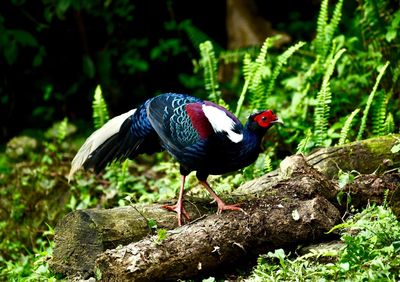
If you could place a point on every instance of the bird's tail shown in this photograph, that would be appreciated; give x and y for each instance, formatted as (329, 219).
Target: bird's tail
(112, 141)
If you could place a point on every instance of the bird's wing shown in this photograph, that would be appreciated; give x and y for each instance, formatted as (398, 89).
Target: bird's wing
(169, 118)
(225, 125)
(182, 121)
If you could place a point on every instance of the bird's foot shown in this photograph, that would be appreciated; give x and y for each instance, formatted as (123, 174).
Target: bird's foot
(180, 210)
(223, 207)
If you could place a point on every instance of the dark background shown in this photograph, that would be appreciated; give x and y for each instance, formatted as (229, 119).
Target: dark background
(86, 45)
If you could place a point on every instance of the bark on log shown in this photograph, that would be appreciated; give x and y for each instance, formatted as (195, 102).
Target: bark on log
(82, 235)
(219, 240)
(365, 157)
(288, 206)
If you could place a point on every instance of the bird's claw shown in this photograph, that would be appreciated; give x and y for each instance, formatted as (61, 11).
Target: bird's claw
(180, 210)
(224, 207)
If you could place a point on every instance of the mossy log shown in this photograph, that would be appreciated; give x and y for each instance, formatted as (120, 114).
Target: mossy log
(291, 205)
(83, 234)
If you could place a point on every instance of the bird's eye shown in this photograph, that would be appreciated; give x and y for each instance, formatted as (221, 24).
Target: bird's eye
(264, 118)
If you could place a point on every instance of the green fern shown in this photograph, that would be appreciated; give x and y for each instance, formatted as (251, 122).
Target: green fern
(210, 67)
(304, 144)
(99, 106)
(346, 127)
(325, 30)
(324, 98)
(122, 175)
(379, 110)
(369, 102)
(389, 124)
(253, 72)
(282, 59)
(237, 55)
(62, 130)
(321, 26)
(262, 165)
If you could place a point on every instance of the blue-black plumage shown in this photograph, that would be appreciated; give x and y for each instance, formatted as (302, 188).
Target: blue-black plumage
(200, 135)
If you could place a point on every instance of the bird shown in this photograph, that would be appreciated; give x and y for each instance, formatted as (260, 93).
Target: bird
(202, 136)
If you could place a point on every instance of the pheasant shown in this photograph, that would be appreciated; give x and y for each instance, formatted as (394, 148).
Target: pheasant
(202, 136)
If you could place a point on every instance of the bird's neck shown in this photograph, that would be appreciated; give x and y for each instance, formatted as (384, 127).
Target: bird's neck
(251, 141)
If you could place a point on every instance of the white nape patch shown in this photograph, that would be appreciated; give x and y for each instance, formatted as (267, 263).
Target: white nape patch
(96, 139)
(221, 122)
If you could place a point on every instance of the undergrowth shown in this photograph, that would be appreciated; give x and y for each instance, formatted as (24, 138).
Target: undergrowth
(370, 252)
(338, 88)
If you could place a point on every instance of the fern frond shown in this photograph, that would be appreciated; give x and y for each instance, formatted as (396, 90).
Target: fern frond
(99, 106)
(260, 71)
(379, 113)
(262, 165)
(321, 26)
(324, 98)
(346, 127)
(237, 55)
(369, 101)
(303, 145)
(332, 27)
(62, 130)
(253, 72)
(282, 59)
(267, 164)
(247, 67)
(325, 30)
(210, 68)
(389, 124)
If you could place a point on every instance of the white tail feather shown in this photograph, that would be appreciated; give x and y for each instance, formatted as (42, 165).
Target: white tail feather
(96, 139)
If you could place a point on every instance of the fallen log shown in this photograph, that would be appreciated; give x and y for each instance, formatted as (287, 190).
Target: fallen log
(83, 234)
(290, 212)
(293, 204)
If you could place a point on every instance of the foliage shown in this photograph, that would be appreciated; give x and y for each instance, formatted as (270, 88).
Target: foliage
(317, 92)
(371, 252)
(324, 99)
(64, 49)
(209, 65)
(346, 127)
(100, 112)
(254, 72)
(318, 88)
(326, 30)
(368, 105)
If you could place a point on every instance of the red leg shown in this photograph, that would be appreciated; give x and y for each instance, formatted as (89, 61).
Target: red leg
(178, 207)
(221, 205)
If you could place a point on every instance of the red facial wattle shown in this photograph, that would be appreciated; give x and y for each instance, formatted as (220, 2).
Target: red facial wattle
(264, 119)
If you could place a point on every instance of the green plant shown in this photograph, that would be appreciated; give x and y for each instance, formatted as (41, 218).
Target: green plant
(326, 30)
(346, 127)
(369, 102)
(210, 66)
(370, 252)
(324, 99)
(99, 107)
(253, 72)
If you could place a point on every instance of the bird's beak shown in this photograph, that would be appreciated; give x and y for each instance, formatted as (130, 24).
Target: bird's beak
(278, 121)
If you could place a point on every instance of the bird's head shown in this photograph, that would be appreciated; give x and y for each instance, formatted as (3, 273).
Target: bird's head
(261, 121)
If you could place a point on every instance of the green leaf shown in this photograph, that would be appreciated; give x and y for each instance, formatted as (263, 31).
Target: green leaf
(161, 234)
(100, 112)
(390, 35)
(370, 100)
(346, 127)
(24, 38)
(152, 223)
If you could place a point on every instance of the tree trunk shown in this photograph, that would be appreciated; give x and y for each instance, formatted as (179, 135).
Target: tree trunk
(291, 205)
